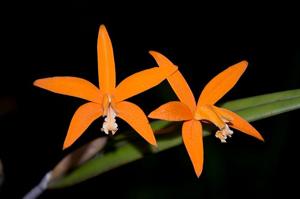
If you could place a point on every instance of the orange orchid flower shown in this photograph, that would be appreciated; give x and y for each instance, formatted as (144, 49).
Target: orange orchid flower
(191, 113)
(108, 101)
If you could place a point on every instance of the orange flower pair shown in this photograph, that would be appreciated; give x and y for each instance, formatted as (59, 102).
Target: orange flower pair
(108, 101)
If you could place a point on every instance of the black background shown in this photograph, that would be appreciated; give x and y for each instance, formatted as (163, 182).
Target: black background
(41, 40)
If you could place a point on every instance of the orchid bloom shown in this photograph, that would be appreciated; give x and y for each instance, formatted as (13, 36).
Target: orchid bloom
(191, 113)
(108, 101)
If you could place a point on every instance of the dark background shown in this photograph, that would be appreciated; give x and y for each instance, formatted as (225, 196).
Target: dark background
(41, 40)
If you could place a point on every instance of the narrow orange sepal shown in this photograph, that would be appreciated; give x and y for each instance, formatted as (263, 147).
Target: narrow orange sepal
(193, 141)
(106, 62)
(221, 84)
(137, 119)
(81, 120)
(72, 86)
(172, 111)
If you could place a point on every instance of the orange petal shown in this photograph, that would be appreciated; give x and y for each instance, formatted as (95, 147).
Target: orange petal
(138, 83)
(137, 119)
(208, 113)
(106, 63)
(176, 80)
(239, 123)
(221, 84)
(172, 111)
(81, 120)
(163, 62)
(192, 139)
(72, 86)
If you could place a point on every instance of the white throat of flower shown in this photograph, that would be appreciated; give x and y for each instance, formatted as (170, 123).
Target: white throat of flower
(109, 124)
(223, 133)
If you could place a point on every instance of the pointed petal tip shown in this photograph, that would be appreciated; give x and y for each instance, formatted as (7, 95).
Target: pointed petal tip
(37, 82)
(198, 170)
(67, 143)
(41, 83)
(153, 52)
(151, 139)
(102, 30)
(198, 173)
(151, 115)
(102, 27)
(243, 64)
(65, 146)
(154, 115)
(154, 143)
(159, 57)
(163, 61)
(260, 138)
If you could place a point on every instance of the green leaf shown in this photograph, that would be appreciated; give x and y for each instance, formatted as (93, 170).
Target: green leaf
(267, 110)
(248, 102)
(251, 108)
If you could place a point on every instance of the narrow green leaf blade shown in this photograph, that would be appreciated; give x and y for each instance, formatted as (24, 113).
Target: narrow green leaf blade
(267, 110)
(248, 102)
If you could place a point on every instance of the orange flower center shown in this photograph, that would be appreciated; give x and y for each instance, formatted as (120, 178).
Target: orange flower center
(223, 133)
(207, 113)
(109, 124)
